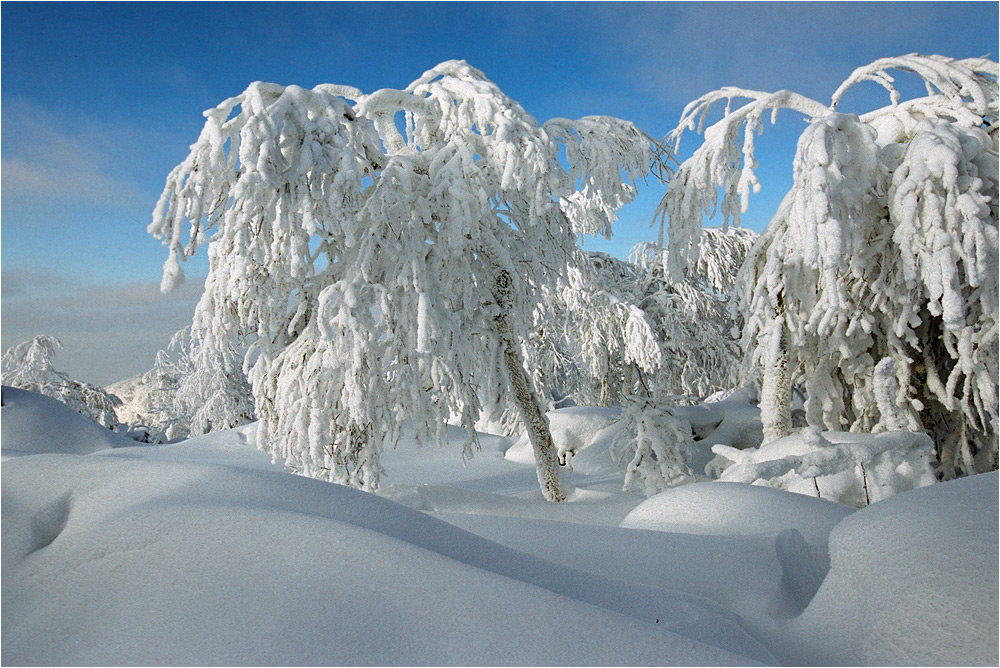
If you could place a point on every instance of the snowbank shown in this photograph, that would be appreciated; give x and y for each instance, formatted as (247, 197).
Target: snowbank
(120, 558)
(33, 423)
(204, 553)
(736, 509)
(913, 581)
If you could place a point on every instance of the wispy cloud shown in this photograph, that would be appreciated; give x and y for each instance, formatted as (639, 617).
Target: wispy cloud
(682, 50)
(43, 159)
(109, 332)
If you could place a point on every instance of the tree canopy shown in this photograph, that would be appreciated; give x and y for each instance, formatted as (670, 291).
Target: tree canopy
(382, 253)
(885, 248)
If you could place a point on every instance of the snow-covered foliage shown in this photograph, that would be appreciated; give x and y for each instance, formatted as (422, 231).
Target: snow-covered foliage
(212, 391)
(28, 366)
(886, 247)
(656, 444)
(382, 259)
(147, 405)
(189, 391)
(691, 318)
(593, 342)
(852, 469)
(731, 419)
(149, 399)
(721, 252)
(614, 328)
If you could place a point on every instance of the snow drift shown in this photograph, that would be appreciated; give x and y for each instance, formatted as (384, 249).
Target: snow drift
(203, 552)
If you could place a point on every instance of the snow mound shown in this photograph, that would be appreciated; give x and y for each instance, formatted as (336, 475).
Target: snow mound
(235, 447)
(191, 554)
(732, 420)
(913, 581)
(735, 509)
(33, 423)
(195, 563)
(576, 430)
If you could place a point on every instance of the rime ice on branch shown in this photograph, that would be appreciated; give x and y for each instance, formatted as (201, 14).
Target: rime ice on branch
(885, 248)
(383, 258)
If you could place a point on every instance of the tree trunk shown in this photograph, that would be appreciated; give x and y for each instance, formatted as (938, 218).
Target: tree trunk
(776, 389)
(535, 422)
(628, 381)
(606, 382)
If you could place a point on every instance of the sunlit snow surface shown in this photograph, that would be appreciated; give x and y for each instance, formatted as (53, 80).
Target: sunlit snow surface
(205, 553)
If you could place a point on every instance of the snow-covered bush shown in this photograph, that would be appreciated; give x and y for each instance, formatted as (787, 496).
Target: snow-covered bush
(853, 469)
(614, 328)
(189, 391)
(731, 419)
(212, 390)
(382, 260)
(28, 366)
(656, 444)
(593, 342)
(886, 247)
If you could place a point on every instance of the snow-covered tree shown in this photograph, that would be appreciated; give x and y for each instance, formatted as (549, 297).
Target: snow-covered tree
(692, 318)
(28, 366)
(190, 390)
(614, 328)
(382, 259)
(148, 402)
(212, 391)
(595, 342)
(885, 248)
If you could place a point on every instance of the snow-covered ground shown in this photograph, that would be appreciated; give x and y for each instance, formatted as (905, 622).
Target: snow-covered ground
(203, 552)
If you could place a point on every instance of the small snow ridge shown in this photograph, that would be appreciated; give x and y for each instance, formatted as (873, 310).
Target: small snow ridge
(716, 508)
(35, 424)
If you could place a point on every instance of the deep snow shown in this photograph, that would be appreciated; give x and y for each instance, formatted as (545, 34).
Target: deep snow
(203, 552)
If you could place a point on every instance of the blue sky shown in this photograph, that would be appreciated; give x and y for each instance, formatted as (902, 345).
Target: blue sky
(101, 100)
